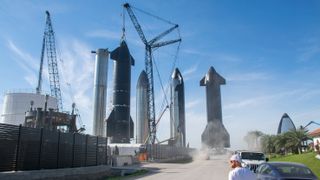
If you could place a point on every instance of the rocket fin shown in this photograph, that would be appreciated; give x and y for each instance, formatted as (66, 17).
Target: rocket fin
(132, 60)
(203, 81)
(110, 124)
(131, 127)
(221, 79)
(115, 54)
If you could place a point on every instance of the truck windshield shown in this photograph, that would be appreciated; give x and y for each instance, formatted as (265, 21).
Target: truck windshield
(252, 156)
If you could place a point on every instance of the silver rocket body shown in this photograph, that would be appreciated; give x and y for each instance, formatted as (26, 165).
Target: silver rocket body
(215, 134)
(100, 92)
(142, 125)
(119, 122)
(177, 110)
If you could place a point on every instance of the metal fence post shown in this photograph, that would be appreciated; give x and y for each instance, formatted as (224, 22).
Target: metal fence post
(86, 151)
(58, 151)
(18, 148)
(73, 144)
(106, 151)
(97, 150)
(40, 148)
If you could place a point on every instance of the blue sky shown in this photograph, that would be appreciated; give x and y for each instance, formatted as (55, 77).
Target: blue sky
(268, 52)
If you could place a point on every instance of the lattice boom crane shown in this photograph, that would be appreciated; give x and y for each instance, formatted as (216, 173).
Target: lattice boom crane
(149, 46)
(49, 45)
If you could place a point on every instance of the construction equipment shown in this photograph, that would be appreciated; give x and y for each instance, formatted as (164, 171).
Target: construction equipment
(49, 45)
(311, 122)
(149, 46)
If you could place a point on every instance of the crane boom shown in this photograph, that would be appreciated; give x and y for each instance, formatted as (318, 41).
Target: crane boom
(39, 87)
(48, 45)
(135, 23)
(162, 34)
(311, 122)
(149, 67)
(160, 44)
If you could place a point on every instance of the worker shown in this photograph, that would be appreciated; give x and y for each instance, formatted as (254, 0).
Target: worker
(238, 172)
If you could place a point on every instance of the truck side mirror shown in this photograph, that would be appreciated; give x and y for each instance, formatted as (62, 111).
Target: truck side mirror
(267, 159)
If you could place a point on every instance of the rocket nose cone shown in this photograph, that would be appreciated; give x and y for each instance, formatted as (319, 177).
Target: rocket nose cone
(121, 52)
(212, 70)
(213, 76)
(124, 47)
(143, 80)
(123, 44)
(176, 74)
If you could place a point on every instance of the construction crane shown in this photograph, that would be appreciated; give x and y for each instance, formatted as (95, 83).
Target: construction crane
(311, 122)
(49, 45)
(149, 46)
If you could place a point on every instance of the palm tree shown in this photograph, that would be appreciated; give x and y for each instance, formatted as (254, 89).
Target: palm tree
(296, 137)
(268, 143)
(280, 144)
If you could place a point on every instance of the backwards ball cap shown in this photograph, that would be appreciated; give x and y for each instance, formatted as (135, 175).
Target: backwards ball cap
(235, 157)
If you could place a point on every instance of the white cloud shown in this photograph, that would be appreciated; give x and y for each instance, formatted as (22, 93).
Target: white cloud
(213, 55)
(252, 76)
(192, 104)
(309, 52)
(77, 78)
(114, 35)
(261, 99)
(107, 34)
(188, 73)
(26, 62)
(309, 94)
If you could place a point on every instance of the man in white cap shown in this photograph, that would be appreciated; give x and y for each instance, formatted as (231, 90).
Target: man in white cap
(238, 172)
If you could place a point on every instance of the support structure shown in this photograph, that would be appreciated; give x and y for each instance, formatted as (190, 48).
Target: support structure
(149, 46)
(49, 45)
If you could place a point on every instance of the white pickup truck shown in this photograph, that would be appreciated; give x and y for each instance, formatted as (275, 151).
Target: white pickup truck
(251, 159)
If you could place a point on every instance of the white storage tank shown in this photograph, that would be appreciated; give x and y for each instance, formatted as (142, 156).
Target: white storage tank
(16, 104)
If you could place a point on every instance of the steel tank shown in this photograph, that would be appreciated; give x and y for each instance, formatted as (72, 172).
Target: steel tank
(17, 103)
(177, 110)
(100, 92)
(142, 125)
(119, 122)
(215, 134)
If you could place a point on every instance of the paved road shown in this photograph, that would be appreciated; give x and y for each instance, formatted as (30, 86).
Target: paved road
(215, 168)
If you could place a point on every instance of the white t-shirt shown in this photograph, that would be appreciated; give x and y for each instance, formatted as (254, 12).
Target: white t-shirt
(240, 173)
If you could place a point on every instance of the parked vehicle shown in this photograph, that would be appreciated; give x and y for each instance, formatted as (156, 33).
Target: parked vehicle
(284, 170)
(251, 159)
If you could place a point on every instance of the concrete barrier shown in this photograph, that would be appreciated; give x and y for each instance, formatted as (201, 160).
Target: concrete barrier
(92, 172)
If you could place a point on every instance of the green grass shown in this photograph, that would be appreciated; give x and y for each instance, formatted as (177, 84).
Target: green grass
(307, 159)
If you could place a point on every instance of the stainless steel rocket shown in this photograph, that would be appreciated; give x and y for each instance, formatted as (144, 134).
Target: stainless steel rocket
(100, 92)
(215, 135)
(119, 122)
(142, 124)
(177, 110)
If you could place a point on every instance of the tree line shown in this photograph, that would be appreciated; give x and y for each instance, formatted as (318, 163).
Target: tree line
(293, 141)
